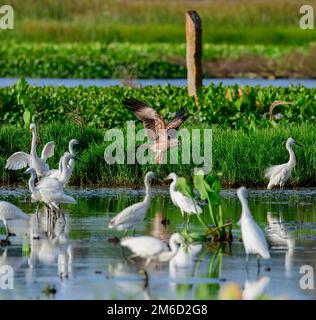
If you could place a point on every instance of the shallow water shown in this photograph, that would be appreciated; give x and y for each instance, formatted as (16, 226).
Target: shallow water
(309, 83)
(80, 263)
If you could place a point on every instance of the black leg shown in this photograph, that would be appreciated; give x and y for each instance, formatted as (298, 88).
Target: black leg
(258, 262)
(247, 263)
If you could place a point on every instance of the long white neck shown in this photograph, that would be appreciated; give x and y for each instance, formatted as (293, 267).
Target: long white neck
(173, 186)
(65, 172)
(32, 187)
(245, 207)
(173, 246)
(60, 166)
(147, 198)
(71, 162)
(292, 160)
(71, 149)
(33, 146)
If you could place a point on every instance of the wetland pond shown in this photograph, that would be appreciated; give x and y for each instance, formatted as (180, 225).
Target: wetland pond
(77, 260)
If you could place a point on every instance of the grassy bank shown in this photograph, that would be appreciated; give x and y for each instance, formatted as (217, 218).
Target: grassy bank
(241, 156)
(265, 21)
(236, 107)
(152, 60)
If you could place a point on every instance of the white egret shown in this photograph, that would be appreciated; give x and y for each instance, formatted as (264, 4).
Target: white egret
(21, 159)
(152, 248)
(62, 174)
(279, 174)
(68, 168)
(186, 255)
(51, 192)
(9, 211)
(252, 236)
(182, 264)
(186, 205)
(134, 214)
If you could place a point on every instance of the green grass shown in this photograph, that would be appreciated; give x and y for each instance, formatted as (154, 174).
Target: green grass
(151, 60)
(241, 156)
(230, 21)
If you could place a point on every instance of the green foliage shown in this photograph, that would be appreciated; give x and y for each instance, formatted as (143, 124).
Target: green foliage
(24, 101)
(137, 61)
(209, 188)
(235, 107)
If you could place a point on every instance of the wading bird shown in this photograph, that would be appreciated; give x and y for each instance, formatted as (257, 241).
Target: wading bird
(131, 216)
(252, 236)
(21, 159)
(187, 205)
(51, 192)
(63, 174)
(152, 248)
(161, 134)
(279, 174)
(68, 168)
(8, 211)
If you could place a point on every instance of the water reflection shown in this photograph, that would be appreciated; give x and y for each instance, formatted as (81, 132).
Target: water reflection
(253, 289)
(183, 262)
(49, 245)
(159, 227)
(280, 238)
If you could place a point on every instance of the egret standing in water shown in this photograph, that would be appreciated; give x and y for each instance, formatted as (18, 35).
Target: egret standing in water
(152, 248)
(186, 205)
(8, 211)
(252, 236)
(279, 174)
(51, 192)
(131, 216)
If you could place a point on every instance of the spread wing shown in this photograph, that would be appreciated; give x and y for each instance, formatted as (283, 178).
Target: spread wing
(178, 120)
(18, 161)
(48, 150)
(176, 123)
(152, 120)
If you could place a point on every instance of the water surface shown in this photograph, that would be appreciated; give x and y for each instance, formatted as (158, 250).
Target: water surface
(309, 83)
(79, 262)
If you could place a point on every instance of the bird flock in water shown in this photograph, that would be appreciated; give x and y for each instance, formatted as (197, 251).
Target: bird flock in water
(48, 187)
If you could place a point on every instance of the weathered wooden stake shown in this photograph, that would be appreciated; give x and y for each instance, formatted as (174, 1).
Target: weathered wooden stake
(194, 52)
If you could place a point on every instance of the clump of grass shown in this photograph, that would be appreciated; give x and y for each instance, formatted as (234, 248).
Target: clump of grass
(157, 21)
(241, 156)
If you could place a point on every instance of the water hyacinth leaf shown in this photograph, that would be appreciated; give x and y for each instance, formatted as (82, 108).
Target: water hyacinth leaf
(201, 186)
(21, 85)
(27, 118)
(184, 187)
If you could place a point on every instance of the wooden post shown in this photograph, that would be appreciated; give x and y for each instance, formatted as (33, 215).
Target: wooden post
(194, 52)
